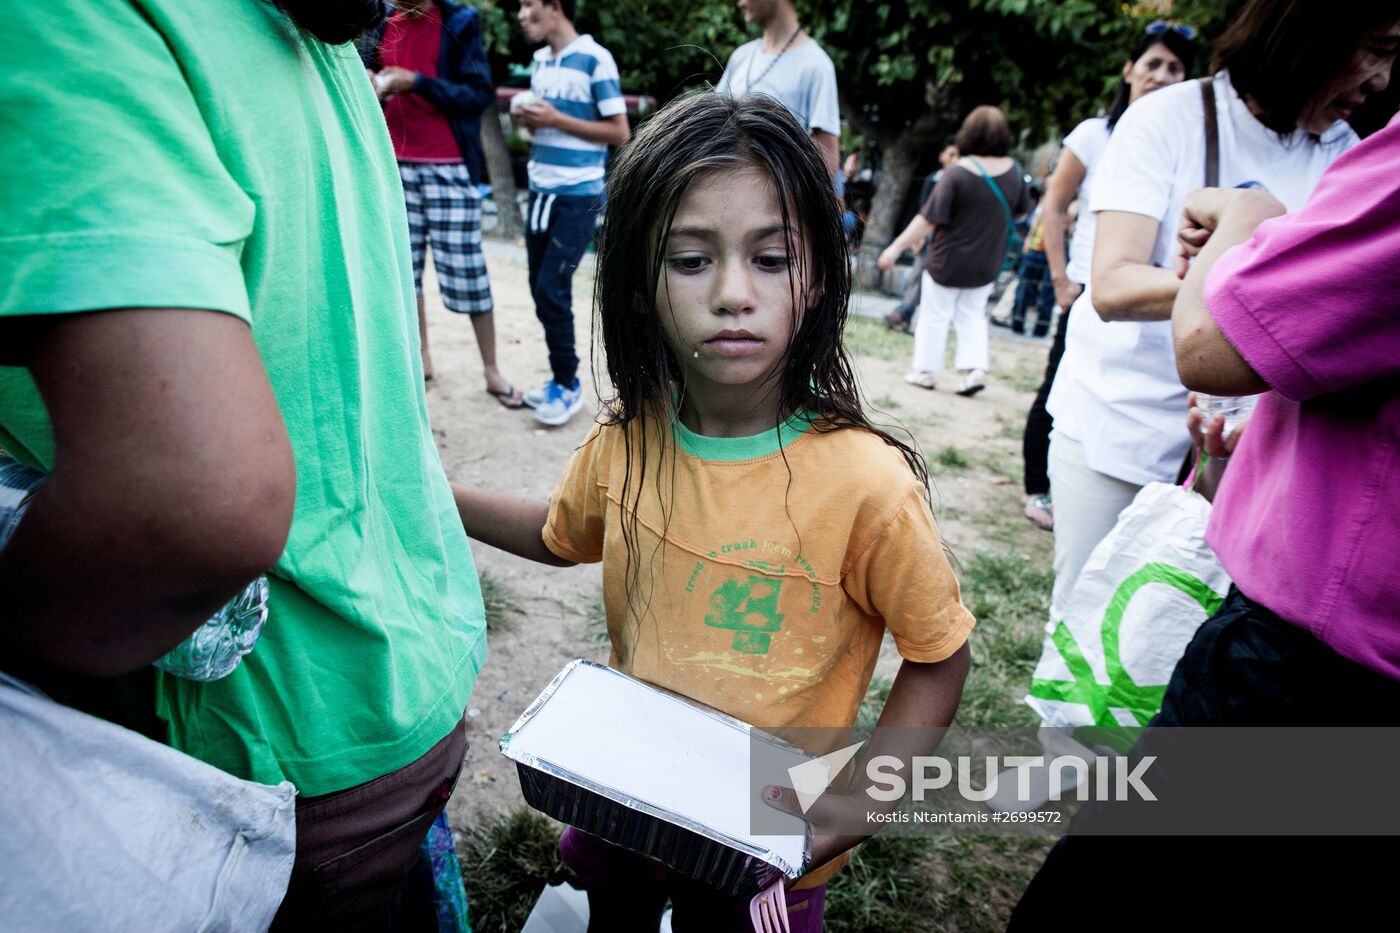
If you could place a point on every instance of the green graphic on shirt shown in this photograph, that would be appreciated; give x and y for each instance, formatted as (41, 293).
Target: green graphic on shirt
(749, 609)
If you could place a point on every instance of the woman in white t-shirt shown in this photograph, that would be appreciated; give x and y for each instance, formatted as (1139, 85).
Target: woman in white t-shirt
(1118, 405)
(1162, 56)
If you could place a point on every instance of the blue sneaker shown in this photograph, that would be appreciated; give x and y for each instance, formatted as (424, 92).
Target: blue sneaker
(535, 397)
(560, 404)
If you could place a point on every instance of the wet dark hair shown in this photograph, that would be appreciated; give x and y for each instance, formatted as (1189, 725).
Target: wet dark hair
(1282, 53)
(1180, 46)
(984, 132)
(335, 21)
(687, 140)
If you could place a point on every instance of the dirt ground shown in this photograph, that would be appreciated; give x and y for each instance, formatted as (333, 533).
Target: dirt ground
(973, 447)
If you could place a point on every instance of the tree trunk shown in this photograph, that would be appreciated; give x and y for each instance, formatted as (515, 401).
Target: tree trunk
(498, 165)
(901, 155)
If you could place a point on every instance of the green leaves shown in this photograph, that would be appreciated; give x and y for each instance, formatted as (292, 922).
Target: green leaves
(1047, 63)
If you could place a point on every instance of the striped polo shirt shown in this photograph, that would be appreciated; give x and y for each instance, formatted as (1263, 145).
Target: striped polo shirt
(581, 81)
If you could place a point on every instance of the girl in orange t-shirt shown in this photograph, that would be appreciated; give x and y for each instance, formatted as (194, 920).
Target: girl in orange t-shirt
(758, 534)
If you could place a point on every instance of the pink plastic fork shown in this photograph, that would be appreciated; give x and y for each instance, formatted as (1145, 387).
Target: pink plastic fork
(768, 909)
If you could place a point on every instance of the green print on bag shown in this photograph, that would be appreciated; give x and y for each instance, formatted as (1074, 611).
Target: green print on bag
(1142, 701)
(749, 608)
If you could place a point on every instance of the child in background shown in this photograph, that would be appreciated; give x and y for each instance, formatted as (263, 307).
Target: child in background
(758, 535)
(1034, 289)
(575, 111)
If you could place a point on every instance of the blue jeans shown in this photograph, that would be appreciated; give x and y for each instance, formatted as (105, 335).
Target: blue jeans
(1035, 288)
(557, 231)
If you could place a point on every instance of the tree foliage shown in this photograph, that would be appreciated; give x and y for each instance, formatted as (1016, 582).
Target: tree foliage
(662, 48)
(907, 70)
(1048, 63)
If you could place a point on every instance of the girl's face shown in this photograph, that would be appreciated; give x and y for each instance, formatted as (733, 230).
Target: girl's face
(1155, 69)
(1368, 73)
(726, 293)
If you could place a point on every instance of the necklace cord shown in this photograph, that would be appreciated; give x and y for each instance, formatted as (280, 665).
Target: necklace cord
(749, 84)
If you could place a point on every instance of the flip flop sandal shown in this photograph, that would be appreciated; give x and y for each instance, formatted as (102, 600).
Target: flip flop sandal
(1039, 512)
(506, 397)
(922, 380)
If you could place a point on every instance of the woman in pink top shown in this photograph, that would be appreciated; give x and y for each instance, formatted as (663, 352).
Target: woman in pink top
(1304, 307)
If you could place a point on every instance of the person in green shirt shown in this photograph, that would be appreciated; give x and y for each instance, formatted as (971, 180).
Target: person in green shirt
(208, 343)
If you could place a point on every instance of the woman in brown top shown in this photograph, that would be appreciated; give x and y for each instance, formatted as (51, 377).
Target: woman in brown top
(969, 214)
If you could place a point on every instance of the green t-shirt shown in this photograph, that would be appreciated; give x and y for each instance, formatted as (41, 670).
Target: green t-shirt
(162, 153)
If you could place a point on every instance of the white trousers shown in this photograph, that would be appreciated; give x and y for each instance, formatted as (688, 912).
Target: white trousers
(1087, 504)
(966, 310)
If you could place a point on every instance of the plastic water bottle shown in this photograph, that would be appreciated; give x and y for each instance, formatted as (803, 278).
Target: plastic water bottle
(17, 484)
(1235, 408)
(214, 649)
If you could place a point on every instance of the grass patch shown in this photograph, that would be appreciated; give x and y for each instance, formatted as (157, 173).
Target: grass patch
(885, 403)
(499, 600)
(1013, 428)
(979, 879)
(506, 863)
(1010, 597)
(884, 888)
(950, 459)
(920, 883)
(949, 513)
(595, 623)
(869, 337)
(1003, 465)
(931, 420)
(1025, 378)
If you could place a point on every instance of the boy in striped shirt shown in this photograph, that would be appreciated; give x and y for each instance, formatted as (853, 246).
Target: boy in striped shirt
(577, 111)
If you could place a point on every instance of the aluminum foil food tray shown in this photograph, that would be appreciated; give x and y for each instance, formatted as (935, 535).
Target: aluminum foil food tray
(655, 773)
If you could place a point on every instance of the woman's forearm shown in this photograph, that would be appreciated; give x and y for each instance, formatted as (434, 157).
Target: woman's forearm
(918, 230)
(1059, 192)
(1126, 286)
(1134, 292)
(1205, 359)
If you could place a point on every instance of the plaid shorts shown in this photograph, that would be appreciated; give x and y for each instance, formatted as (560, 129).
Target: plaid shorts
(444, 212)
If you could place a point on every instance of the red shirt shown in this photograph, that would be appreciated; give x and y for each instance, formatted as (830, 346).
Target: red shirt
(419, 130)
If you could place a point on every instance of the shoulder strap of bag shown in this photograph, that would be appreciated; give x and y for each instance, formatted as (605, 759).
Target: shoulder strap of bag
(996, 190)
(1212, 133)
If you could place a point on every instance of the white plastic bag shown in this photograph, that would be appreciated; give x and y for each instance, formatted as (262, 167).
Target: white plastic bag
(104, 829)
(1145, 590)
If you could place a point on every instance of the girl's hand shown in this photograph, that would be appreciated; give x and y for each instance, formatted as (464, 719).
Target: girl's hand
(888, 258)
(826, 811)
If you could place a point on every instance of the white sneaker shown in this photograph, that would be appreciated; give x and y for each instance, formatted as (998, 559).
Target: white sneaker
(973, 383)
(560, 404)
(535, 397)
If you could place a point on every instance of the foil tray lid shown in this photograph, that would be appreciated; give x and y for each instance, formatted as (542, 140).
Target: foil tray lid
(655, 752)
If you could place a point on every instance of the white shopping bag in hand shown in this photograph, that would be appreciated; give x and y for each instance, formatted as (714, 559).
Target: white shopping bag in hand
(1145, 590)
